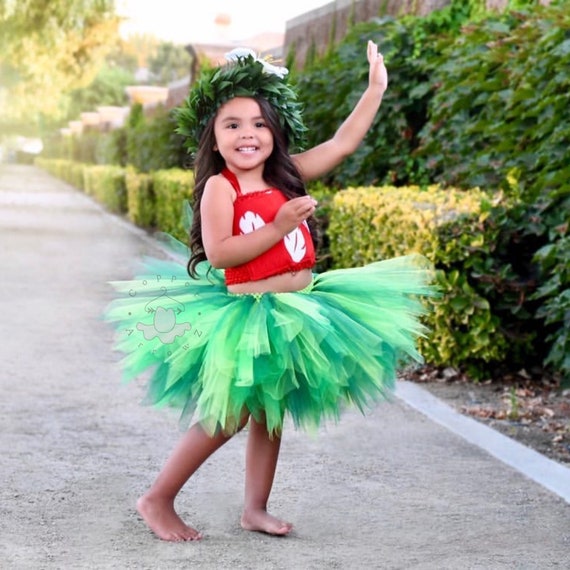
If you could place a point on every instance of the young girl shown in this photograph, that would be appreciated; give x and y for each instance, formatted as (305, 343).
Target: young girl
(253, 335)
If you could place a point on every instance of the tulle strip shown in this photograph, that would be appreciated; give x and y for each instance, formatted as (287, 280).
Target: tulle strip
(308, 354)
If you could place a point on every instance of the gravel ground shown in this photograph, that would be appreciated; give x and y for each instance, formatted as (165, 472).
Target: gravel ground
(392, 490)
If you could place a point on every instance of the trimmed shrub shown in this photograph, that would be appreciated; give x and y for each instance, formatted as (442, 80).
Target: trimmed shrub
(68, 170)
(141, 203)
(75, 174)
(152, 143)
(448, 227)
(324, 197)
(172, 188)
(106, 183)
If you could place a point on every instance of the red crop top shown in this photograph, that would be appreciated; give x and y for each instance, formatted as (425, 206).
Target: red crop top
(294, 252)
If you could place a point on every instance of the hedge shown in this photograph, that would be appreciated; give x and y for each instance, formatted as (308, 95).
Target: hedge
(447, 226)
(141, 202)
(106, 184)
(172, 189)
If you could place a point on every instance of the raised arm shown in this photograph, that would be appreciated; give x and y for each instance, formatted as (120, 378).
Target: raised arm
(324, 157)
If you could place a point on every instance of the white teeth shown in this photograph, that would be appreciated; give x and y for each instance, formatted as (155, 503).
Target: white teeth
(246, 148)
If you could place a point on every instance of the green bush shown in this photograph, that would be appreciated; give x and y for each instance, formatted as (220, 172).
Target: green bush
(106, 183)
(151, 142)
(371, 223)
(75, 174)
(141, 204)
(57, 146)
(500, 117)
(324, 197)
(68, 170)
(107, 149)
(553, 261)
(465, 332)
(172, 189)
(55, 166)
(449, 228)
(84, 146)
(502, 103)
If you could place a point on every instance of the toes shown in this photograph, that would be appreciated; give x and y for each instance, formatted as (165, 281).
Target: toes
(190, 537)
(285, 528)
(267, 524)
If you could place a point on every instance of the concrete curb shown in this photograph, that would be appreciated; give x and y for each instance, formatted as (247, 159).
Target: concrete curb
(544, 471)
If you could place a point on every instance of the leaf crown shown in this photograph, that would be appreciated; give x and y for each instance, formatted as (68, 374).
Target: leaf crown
(243, 76)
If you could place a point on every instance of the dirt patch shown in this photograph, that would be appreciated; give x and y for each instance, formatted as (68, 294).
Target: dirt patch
(532, 411)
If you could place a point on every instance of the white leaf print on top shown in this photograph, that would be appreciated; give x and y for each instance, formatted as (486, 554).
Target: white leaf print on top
(250, 222)
(294, 241)
(295, 244)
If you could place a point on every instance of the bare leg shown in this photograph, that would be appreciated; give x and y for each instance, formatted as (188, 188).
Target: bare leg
(260, 465)
(156, 506)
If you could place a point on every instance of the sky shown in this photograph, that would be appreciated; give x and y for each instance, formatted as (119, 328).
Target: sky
(185, 22)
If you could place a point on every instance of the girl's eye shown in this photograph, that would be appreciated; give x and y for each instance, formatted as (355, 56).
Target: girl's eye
(232, 126)
(260, 124)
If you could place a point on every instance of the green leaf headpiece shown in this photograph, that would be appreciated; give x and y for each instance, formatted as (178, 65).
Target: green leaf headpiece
(244, 75)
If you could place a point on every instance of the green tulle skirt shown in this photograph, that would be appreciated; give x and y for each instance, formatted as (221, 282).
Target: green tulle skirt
(307, 354)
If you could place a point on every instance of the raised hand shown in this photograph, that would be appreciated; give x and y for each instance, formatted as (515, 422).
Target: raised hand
(377, 74)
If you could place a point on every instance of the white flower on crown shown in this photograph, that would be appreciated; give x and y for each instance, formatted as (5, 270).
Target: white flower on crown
(241, 53)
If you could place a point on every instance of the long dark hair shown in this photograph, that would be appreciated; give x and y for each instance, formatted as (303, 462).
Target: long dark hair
(279, 172)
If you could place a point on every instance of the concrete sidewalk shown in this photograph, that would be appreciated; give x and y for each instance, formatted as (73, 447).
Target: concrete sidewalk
(410, 486)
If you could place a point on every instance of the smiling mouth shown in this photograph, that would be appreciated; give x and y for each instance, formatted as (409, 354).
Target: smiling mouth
(247, 149)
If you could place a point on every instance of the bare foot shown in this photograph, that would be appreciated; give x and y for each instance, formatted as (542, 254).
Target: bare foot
(162, 519)
(261, 521)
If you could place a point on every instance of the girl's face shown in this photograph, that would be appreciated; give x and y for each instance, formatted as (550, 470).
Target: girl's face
(242, 135)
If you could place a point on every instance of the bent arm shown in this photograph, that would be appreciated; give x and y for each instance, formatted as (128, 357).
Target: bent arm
(217, 211)
(221, 247)
(324, 157)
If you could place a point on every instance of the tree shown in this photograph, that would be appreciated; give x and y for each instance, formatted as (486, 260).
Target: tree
(140, 47)
(108, 88)
(170, 63)
(48, 49)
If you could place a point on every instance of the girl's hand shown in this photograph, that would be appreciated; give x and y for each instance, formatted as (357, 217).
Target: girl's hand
(293, 213)
(377, 76)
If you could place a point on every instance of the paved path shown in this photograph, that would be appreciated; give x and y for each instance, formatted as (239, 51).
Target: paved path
(394, 490)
